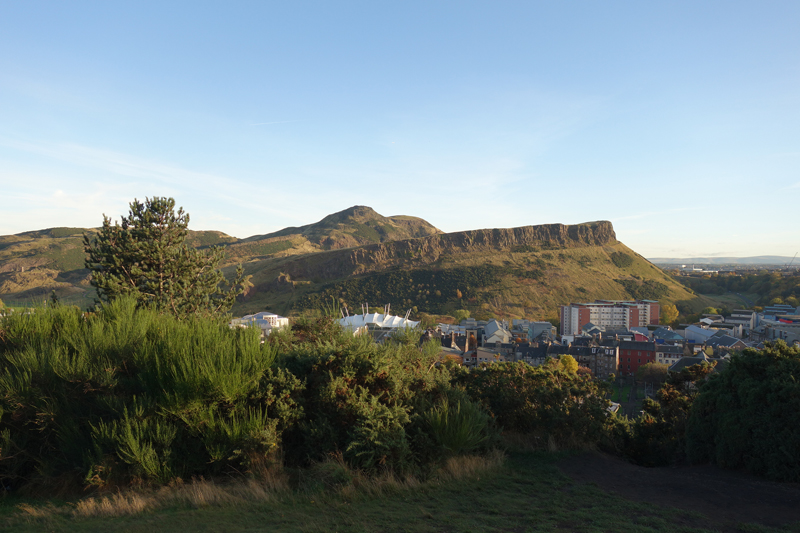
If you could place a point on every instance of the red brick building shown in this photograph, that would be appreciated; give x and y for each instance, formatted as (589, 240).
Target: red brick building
(632, 355)
(613, 314)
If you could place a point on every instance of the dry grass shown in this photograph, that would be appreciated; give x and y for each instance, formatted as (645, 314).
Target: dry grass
(468, 466)
(330, 478)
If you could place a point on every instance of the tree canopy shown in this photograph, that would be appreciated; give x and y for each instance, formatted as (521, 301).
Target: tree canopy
(669, 313)
(747, 416)
(146, 256)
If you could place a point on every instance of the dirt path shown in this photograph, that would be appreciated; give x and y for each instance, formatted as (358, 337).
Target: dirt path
(726, 497)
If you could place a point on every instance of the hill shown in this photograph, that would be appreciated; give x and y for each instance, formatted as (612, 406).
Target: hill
(35, 263)
(355, 226)
(357, 255)
(515, 272)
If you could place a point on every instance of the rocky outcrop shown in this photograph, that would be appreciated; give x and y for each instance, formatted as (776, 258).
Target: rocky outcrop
(340, 263)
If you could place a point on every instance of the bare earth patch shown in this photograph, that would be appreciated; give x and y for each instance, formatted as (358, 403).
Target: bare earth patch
(726, 497)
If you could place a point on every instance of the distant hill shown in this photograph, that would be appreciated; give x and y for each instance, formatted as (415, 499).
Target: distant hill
(35, 263)
(357, 255)
(755, 260)
(516, 272)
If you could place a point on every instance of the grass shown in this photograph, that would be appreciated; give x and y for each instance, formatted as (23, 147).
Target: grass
(626, 393)
(528, 493)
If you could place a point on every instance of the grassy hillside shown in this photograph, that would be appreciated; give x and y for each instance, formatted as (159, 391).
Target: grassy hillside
(36, 263)
(358, 255)
(355, 226)
(513, 273)
(530, 492)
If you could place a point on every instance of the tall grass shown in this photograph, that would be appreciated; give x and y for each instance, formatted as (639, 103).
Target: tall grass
(460, 427)
(129, 394)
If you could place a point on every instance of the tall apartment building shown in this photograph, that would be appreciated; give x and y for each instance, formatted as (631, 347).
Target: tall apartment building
(612, 314)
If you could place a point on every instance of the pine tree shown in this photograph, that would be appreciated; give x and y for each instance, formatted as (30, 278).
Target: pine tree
(146, 256)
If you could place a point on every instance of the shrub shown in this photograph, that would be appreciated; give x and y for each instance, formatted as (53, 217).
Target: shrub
(458, 428)
(658, 436)
(748, 415)
(546, 401)
(621, 260)
(129, 394)
(362, 399)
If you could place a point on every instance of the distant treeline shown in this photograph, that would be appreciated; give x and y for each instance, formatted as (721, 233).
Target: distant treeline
(770, 287)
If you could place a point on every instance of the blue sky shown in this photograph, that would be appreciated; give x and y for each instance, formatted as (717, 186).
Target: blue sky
(677, 121)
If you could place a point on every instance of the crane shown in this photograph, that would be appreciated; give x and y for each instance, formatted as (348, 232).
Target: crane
(792, 261)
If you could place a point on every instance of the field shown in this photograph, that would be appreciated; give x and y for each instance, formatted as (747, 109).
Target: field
(532, 491)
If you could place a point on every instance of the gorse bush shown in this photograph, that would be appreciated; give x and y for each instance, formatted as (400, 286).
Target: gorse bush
(130, 394)
(459, 427)
(748, 416)
(548, 401)
(362, 399)
(658, 436)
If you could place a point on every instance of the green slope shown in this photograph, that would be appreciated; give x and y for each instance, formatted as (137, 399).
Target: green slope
(357, 256)
(515, 272)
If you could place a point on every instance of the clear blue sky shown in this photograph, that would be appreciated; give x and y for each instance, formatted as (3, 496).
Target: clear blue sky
(677, 121)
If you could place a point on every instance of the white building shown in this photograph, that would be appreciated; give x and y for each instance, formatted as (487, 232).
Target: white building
(265, 320)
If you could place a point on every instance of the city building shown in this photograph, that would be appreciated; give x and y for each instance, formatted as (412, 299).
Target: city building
(265, 320)
(634, 354)
(608, 314)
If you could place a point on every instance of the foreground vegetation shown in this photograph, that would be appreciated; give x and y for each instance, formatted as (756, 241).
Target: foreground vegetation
(127, 397)
(528, 492)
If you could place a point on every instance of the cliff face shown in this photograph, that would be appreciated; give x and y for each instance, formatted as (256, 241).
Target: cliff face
(426, 250)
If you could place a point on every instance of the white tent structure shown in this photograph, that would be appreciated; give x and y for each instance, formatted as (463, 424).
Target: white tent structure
(378, 325)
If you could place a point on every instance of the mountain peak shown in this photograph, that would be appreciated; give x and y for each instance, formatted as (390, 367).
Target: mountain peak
(358, 213)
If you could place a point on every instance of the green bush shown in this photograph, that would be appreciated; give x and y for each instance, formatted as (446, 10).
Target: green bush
(546, 401)
(658, 436)
(621, 260)
(362, 399)
(129, 394)
(460, 427)
(748, 415)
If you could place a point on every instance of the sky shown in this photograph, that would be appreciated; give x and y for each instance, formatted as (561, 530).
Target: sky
(677, 121)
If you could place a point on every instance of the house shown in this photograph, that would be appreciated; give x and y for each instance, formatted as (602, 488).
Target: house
(533, 355)
(669, 354)
(481, 355)
(633, 354)
(537, 329)
(698, 334)
(601, 360)
(686, 362)
(722, 343)
(747, 318)
(494, 333)
(665, 335)
(265, 320)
